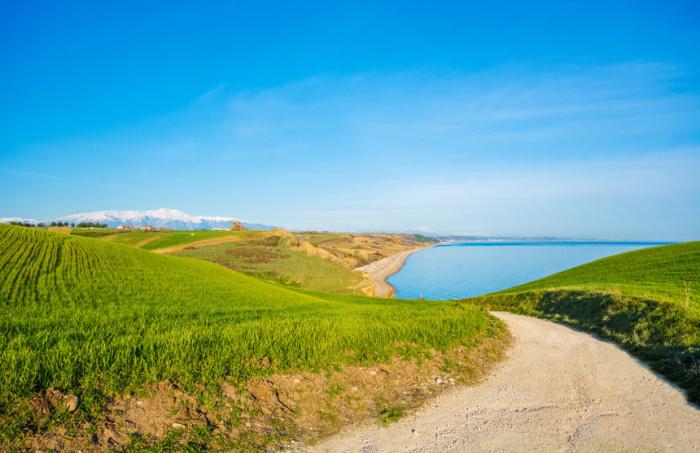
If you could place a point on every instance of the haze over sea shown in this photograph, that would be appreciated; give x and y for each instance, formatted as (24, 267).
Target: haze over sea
(452, 271)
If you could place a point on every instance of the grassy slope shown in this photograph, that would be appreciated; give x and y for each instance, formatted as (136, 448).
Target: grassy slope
(667, 273)
(276, 262)
(152, 240)
(91, 232)
(646, 300)
(293, 268)
(283, 263)
(273, 262)
(94, 318)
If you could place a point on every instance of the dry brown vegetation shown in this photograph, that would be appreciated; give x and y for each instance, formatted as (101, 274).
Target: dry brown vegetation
(60, 230)
(354, 250)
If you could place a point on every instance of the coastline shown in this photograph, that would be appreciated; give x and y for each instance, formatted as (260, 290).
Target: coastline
(379, 271)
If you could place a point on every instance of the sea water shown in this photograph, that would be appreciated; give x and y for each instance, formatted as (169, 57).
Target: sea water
(451, 271)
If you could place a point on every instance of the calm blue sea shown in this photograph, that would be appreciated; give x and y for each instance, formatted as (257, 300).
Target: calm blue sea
(454, 271)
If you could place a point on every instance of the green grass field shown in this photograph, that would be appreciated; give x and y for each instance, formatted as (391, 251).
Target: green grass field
(153, 240)
(92, 232)
(279, 261)
(646, 300)
(668, 273)
(98, 319)
(273, 260)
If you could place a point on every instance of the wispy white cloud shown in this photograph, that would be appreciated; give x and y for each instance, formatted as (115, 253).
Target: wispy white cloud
(491, 115)
(503, 150)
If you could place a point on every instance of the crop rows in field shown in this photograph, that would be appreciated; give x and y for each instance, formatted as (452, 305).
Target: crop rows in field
(83, 314)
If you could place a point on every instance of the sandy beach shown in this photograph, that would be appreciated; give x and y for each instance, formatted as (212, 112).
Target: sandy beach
(379, 271)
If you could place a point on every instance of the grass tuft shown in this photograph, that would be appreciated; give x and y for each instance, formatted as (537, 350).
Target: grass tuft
(391, 415)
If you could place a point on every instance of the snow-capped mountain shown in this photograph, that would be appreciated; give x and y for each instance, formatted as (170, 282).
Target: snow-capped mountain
(18, 219)
(159, 218)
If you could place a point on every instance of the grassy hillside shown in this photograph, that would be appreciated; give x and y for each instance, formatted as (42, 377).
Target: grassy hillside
(313, 261)
(274, 260)
(271, 256)
(98, 320)
(153, 240)
(647, 300)
(667, 273)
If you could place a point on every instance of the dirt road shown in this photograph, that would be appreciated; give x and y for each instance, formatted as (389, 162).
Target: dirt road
(558, 390)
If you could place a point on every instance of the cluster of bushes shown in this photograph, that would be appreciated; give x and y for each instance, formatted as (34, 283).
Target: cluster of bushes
(90, 225)
(60, 224)
(26, 224)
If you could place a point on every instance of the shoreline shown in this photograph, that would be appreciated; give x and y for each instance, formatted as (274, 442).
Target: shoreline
(379, 271)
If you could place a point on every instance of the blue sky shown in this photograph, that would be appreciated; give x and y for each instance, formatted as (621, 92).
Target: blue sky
(576, 119)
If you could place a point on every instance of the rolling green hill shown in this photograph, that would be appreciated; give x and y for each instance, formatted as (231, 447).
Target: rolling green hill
(98, 320)
(646, 300)
(311, 260)
(274, 260)
(153, 240)
(668, 273)
(261, 254)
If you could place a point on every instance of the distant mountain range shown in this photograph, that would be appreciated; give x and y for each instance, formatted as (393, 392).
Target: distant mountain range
(18, 219)
(158, 218)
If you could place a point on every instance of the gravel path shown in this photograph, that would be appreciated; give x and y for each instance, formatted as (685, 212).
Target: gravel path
(558, 390)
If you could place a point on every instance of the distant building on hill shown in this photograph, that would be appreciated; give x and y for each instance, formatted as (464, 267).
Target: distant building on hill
(237, 225)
